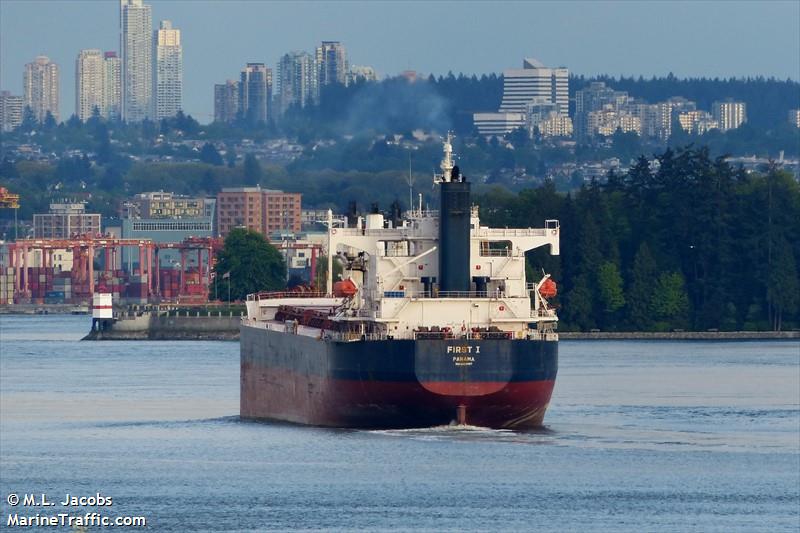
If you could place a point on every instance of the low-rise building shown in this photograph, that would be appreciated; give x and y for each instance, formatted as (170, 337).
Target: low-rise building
(64, 221)
(498, 124)
(257, 209)
(168, 205)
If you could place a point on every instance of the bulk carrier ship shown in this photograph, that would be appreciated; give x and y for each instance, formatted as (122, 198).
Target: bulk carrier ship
(433, 322)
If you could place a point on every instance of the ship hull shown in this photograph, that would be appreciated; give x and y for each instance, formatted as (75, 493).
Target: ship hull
(499, 383)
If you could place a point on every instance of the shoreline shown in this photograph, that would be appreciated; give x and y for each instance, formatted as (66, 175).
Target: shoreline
(225, 327)
(678, 335)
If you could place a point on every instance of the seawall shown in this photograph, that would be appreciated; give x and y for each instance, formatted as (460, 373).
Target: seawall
(152, 326)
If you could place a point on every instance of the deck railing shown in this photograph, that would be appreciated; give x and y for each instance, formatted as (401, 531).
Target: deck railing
(284, 294)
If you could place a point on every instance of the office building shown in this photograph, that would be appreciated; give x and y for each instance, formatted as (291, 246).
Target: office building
(257, 209)
(10, 111)
(497, 124)
(168, 91)
(226, 101)
(255, 93)
(332, 63)
(42, 87)
(729, 114)
(520, 86)
(65, 221)
(297, 80)
(136, 44)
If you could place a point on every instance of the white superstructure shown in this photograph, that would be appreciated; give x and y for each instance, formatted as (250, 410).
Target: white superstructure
(393, 273)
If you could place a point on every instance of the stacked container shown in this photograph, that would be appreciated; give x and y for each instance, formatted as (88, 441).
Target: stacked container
(63, 283)
(136, 290)
(7, 286)
(170, 284)
(40, 282)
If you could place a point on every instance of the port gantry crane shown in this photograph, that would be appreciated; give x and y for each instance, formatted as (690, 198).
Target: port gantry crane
(9, 200)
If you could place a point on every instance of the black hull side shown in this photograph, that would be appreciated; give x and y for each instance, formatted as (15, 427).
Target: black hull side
(395, 383)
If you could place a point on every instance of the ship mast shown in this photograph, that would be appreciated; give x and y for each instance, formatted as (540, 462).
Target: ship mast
(447, 164)
(329, 284)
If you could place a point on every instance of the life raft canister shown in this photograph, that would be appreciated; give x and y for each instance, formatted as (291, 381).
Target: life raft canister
(548, 288)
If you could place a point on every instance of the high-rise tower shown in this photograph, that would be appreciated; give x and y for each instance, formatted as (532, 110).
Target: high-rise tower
(136, 43)
(41, 87)
(89, 83)
(297, 80)
(255, 93)
(332, 63)
(169, 70)
(112, 86)
(97, 84)
(226, 101)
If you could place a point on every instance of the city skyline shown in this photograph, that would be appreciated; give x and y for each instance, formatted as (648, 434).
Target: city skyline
(770, 47)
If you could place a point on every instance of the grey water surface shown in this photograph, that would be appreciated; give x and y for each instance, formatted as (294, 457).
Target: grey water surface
(640, 436)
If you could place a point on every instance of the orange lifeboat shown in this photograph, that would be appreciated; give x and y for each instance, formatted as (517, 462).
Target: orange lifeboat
(548, 288)
(344, 289)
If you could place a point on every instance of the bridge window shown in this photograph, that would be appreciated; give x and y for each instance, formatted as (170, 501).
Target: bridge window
(495, 248)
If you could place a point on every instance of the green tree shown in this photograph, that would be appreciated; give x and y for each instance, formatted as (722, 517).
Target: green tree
(49, 122)
(252, 170)
(29, 122)
(670, 303)
(230, 156)
(783, 289)
(210, 155)
(640, 294)
(609, 286)
(579, 304)
(519, 137)
(249, 264)
(209, 183)
(8, 169)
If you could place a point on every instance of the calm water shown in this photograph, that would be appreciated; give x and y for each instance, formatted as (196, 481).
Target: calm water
(641, 436)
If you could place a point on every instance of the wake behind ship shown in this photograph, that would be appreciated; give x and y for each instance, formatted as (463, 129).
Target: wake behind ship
(432, 322)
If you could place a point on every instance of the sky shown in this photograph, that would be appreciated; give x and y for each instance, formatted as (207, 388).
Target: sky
(688, 38)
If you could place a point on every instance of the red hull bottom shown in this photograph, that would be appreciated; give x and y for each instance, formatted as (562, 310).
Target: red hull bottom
(306, 399)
